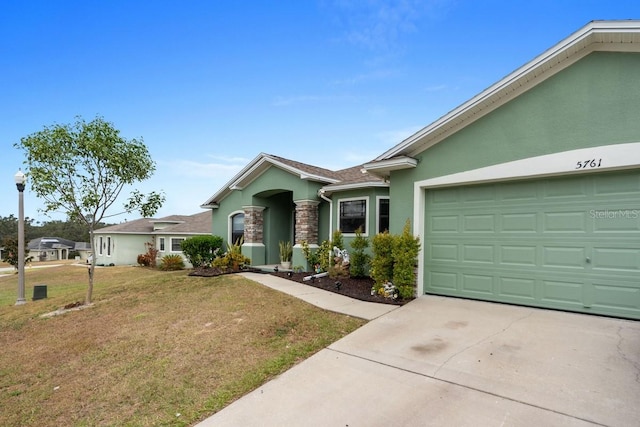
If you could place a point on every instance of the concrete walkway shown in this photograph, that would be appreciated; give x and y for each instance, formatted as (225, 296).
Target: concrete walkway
(453, 362)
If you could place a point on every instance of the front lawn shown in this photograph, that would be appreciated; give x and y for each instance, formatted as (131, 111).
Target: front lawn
(156, 348)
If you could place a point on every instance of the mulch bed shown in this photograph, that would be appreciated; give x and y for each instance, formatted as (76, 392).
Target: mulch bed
(357, 288)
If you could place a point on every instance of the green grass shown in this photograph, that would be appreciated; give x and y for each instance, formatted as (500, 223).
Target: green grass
(154, 344)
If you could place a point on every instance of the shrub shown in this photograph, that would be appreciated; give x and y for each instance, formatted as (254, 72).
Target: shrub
(336, 240)
(202, 250)
(148, 259)
(382, 262)
(171, 262)
(233, 259)
(144, 260)
(286, 251)
(359, 258)
(405, 254)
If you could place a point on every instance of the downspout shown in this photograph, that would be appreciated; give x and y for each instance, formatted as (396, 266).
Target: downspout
(325, 198)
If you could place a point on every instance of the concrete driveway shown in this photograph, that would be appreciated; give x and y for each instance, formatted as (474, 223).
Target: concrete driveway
(452, 362)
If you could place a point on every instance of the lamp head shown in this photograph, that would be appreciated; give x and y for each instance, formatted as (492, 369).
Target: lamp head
(20, 178)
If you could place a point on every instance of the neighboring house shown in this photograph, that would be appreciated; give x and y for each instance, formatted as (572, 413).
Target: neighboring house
(528, 193)
(56, 248)
(121, 244)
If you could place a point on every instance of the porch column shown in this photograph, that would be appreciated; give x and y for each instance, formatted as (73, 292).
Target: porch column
(253, 246)
(306, 229)
(306, 221)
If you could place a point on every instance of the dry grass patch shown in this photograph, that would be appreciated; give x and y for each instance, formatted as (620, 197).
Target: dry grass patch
(154, 345)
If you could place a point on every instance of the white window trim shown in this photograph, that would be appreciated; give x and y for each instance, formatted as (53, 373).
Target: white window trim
(162, 242)
(100, 242)
(378, 198)
(109, 247)
(367, 213)
(171, 239)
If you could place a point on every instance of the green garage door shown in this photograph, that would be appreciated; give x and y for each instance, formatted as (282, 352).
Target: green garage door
(563, 243)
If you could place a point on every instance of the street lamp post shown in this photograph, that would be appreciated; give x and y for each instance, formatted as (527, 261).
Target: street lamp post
(20, 179)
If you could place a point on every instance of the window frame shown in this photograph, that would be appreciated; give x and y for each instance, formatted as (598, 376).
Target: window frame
(366, 215)
(109, 246)
(231, 216)
(171, 244)
(100, 243)
(161, 244)
(378, 200)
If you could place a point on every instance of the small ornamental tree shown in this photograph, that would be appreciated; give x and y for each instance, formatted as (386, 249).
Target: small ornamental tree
(359, 258)
(10, 252)
(382, 262)
(82, 169)
(405, 254)
(202, 250)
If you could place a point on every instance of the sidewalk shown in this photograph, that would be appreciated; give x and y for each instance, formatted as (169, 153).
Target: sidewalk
(324, 299)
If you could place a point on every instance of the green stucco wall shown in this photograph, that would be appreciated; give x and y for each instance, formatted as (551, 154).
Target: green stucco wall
(594, 102)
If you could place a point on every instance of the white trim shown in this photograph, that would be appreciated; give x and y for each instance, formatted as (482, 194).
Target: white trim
(367, 212)
(171, 239)
(332, 188)
(162, 244)
(109, 248)
(257, 245)
(614, 157)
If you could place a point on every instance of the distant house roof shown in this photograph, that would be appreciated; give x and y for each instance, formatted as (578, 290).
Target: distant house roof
(199, 223)
(49, 243)
(352, 177)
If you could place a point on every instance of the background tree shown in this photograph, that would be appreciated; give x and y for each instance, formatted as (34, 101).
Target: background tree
(82, 168)
(10, 251)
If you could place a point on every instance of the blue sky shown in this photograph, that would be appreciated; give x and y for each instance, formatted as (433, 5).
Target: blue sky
(209, 85)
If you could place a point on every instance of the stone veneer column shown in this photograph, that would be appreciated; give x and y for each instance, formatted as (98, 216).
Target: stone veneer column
(307, 221)
(253, 224)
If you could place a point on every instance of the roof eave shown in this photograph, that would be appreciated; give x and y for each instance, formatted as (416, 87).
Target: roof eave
(383, 168)
(553, 60)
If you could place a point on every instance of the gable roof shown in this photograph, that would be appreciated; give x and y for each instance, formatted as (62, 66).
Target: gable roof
(612, 36)
(199, 223)
(303, 171)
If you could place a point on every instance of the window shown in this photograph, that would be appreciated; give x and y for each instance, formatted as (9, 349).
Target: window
(176, 244)
(353, 215)
(383, 214)
(237, 227)
(100, 245)
(161, 244)
(108, 245)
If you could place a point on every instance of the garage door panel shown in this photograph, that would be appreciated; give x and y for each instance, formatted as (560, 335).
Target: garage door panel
(444, 224)
(616, 220)
(564, 257)
(616, 259)
(563, 292)
(563, 243)
(478, 254)
(518, 255)
(513, 287)
(574, 188)
(519, 223)
(617, 184)
(445, 281)
(609, 296)
(564, 222)
(479, 223)
(444, 252)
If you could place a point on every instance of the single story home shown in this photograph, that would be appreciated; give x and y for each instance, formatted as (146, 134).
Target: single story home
(56, 248)
(121, 244)
(528, 193)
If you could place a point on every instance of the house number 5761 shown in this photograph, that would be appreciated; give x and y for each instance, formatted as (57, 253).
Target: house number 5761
(588, 164)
